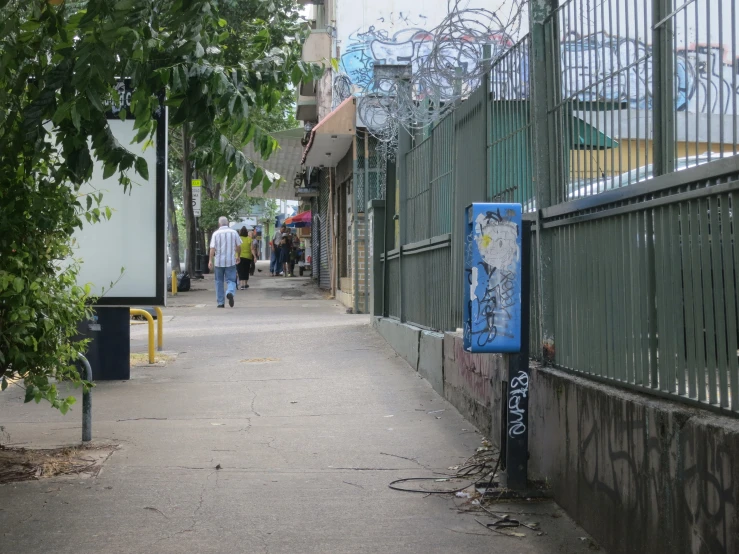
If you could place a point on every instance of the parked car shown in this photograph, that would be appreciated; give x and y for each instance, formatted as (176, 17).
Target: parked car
(644, 173)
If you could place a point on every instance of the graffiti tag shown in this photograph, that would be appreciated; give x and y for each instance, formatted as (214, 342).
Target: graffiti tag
(518, 391)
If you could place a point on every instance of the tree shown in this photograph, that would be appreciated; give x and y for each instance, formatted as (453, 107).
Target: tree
(174, 196)
(58, 68)
(261, 35)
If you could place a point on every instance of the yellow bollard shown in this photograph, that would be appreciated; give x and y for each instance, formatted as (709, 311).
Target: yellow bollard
(147, 315)
(160, 328)
(174, 283)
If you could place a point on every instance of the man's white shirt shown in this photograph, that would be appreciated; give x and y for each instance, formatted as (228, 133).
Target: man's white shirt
(225, 241)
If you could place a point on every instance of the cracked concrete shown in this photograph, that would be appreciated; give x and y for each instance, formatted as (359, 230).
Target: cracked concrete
(305, 445)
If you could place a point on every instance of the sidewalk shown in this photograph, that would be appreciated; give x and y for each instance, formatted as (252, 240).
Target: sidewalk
(309, 415)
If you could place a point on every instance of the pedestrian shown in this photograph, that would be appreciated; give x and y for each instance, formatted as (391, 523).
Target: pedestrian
(294, 254)
(285, 246)
(247, 258)
(225, 254)
(254, 251)
(275, 264)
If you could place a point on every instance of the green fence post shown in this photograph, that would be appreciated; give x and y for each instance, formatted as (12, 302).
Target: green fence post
(663, 78)
(375, 245)
(404, 146)
(389, 242)
(543, 64)
(487, 54)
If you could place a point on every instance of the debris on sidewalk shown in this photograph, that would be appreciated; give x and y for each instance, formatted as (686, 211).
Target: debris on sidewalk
(161, 359)
(476, 482)
(21, 464)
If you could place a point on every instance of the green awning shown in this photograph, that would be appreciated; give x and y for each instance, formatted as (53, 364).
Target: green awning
(587, 137)
(509, 117)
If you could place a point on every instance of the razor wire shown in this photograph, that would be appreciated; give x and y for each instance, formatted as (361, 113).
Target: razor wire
(439, 77)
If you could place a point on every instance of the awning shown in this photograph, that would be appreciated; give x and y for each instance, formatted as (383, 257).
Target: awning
(302, 217)
(285, 162)
(331, 139)
(587, 137)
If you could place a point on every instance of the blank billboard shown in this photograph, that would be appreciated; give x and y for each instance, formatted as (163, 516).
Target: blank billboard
(134, 237)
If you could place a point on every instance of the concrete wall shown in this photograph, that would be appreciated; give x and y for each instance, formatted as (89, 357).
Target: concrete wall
(469, 382)
(431, 359)
(463, 379)
(404, 339)
(639, 473)
(423, 350)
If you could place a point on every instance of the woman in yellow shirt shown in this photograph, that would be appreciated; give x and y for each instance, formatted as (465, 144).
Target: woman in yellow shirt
(247, 258)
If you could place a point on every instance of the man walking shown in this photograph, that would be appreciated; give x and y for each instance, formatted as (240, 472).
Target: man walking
(275, 263)
(225, 254)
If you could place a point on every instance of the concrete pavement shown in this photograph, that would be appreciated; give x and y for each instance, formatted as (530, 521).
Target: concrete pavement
(308, 413)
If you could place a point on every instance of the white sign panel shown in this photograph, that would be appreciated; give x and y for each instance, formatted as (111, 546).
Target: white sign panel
(133, 240)
(197, 187)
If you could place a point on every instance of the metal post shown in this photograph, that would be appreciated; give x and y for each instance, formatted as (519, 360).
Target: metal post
(86, 401)
(544, 62)
(355, 215)
(517, 417)
(160, 328)
(663, 103)
(367, 238)
(404, 146)
(376, 236)
(150, 320)
(487, 54)
(389, 242)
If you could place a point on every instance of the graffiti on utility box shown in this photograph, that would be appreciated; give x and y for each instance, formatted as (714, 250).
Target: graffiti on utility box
(492, 285)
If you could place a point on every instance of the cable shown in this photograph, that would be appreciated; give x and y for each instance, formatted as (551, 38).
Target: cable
(474, 469)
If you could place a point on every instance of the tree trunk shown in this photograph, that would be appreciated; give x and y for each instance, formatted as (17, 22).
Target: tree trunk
(187, 201)
(174, 233)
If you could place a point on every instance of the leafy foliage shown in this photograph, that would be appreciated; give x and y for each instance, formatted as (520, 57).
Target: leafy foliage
(58, 68)
(213, 209)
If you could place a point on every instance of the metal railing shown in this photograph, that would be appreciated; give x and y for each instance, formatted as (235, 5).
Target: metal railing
(646, 286)
(615, 125)
(510, 140)
(430, 176)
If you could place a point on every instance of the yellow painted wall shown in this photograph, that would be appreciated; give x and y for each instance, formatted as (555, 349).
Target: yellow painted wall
(590, 164)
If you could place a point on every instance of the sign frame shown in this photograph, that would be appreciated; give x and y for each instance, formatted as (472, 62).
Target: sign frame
(197, 206)
(160, 294)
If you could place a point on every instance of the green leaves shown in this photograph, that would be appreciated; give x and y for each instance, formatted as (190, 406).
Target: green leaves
(226, 75)
(142, 168)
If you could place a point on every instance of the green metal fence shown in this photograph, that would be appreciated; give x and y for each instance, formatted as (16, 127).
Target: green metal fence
(607, 126)
(470, 181)
(430, 183)
(511, 130)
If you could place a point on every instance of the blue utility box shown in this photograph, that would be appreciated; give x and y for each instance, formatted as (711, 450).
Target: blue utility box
(492, 283)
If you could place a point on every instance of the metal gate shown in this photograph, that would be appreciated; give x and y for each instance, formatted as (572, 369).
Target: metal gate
(324, 239)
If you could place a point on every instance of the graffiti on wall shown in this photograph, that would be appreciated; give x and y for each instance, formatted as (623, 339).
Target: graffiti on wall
(492, 318)
(674, 479)
(420, 49)
(610, 68)
(596, 67)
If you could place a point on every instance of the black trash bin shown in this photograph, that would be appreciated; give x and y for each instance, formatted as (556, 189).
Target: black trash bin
(109, 349)
(203, 259)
